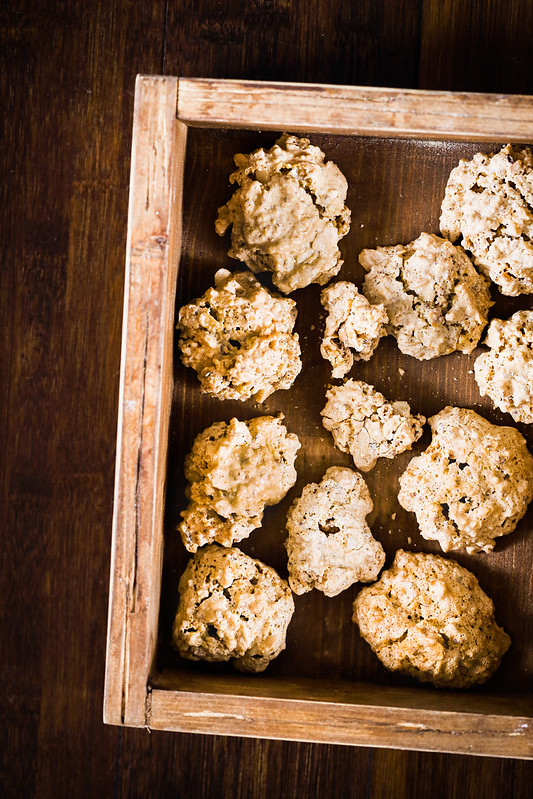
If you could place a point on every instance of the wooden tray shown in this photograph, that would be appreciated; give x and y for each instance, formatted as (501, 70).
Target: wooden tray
(396, 149)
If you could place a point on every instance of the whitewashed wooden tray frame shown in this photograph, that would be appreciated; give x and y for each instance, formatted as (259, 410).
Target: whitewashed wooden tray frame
(259, 706)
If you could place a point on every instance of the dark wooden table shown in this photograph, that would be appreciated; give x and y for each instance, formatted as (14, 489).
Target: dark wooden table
(67, 79)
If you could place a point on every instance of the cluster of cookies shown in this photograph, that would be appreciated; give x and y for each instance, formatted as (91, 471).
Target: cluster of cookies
(426, 616)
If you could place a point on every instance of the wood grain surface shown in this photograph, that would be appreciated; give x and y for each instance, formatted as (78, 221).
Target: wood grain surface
(146, 387)
(355, 110)
(67, 88)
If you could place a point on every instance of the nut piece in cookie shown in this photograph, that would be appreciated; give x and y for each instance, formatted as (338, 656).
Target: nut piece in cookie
(238, 337)
(288, 214)
(471, 485)
(436, 301)
(352, 323)
(428, 617)
(231, 607)
(235, 470)
(330, 545)
(489, 202)
(505, 373)
(367, 425)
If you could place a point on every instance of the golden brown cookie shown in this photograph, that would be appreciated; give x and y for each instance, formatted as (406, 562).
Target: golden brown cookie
(428, 617)
(436, 301)
(353, 327)
(238, 337)
(234, 471)
(288, 214)
(489, 203)
(231, 607)
(365, 424)
(471, 485)
(330, 545)
(505, 373)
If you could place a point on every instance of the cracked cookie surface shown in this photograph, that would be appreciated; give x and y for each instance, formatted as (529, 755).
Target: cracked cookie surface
(353, 327)
(288, 214)
(366, 425)
(429, 618)
(330, 545)
(435, 299)
(505, 374)
(489, 202)
(471, 485)
(231, 607)
(234, 471)
(238, 337)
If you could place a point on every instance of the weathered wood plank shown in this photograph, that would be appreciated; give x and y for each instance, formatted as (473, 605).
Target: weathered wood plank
(154, 231)
(342, 713)
(360, 725)
(356, 110)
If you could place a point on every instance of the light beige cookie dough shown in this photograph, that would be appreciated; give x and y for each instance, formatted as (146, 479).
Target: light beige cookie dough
(238, 337)
(234, 471)
(367, 425)
(505, 373)
(471, 485)
(231, 607)
(436, 301)
(330, 545)
(288, 214)
(489, 202)
(428, 617)
(353, 327)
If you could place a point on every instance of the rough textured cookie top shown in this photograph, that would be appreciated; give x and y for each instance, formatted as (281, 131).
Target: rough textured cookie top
(330, 545)
(505, 373)
(489, 202)
(238, 337)
(353, 326)
(367, 425)
(471, 485)
(231, 607)
(429, 618)
(436, 301)
(288, 214)
(234, 471)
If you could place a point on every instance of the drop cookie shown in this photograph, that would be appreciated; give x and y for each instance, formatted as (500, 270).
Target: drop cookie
(366, 425)
(353, 329)
(428, 617)
(239, 338)
(231, 607)
(330, 545)
(471, 485)
(288, 214)
(234, 471)
(435, 299)
(505, 374)
(489, 203)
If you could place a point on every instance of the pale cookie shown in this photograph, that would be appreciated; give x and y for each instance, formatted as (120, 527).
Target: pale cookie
(506, 373)
(231, 607)
(471, 485)
(429, 618)
(288, 213)
(238, 337)
(367, 425)
(489, 202)
(352, 323)
(330, 545)
(234, 471)
(436, 301)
